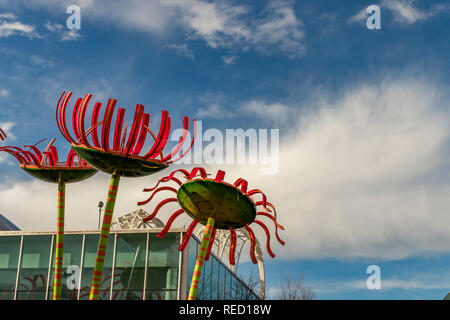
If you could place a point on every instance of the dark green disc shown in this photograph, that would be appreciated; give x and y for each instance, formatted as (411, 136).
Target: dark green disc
(229, 207)
(125, 166)
(66, 175)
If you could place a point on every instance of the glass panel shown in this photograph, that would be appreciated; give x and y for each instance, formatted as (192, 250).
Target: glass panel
(71, 267)
(192, 258)
(162, 273)
(214, 278)
(222, 275)
(206, 275)
(233, 287)
(239, 288)
(129, 267)
(90, 254)
(9, 258)
(227, 284)
(34, 267)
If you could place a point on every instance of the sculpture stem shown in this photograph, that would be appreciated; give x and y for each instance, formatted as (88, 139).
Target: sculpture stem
(59, 241)
(200, 259)
(104, 234)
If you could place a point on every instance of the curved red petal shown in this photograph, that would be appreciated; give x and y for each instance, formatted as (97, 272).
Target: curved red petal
(162, 203)
(268, 237)
(169, 223)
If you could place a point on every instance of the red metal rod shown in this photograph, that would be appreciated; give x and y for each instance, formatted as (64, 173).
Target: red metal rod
(138, 115)
(143, 134)
(155, 192)
(190, 146)
(118, 129)
(182, 139)
(107, 123)
(268, 237)
(150, 217)
(75, 118)
(164, 118)
(169, 223)
(252, 244)
(188, 235)
(81, 117)
(94, 121)
(232, 246)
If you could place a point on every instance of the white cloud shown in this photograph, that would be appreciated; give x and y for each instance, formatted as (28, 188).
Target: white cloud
(10, 27)
(275, 113)
(229, 60)
(356, 178)
(7, 16)
(359, 17)
(4, 92)
(280, 30)
(41, 62)
(221, 24)
(416, 282)
(404, 11)
(214, 111)
(62, 32)
(181, 49)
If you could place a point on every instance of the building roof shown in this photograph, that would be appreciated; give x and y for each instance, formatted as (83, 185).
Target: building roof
(6, 225)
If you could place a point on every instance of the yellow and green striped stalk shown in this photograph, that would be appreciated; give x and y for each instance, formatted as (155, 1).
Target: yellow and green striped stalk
(59, 241)
(104, 234)
(200, 259)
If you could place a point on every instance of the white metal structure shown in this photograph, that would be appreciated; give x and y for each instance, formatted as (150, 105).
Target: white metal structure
(133, 220)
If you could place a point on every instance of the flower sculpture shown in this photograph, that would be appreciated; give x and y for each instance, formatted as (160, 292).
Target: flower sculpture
(45, 166)
(123, 158)
(218, 205)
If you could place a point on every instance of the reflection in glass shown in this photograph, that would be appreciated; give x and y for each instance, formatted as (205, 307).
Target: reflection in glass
(129, 267)
(222, 275)
(90, 253)
(162, 272)
(214, 278)
(34, 267)
(71, 267)
(9, 258)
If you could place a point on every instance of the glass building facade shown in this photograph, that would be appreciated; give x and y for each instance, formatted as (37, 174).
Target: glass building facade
(138, 266)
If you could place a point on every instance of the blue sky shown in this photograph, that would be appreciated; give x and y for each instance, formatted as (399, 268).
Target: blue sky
(363, 118)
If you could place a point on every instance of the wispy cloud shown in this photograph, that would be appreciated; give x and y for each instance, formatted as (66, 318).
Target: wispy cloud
(41, 62)
(214, 111)
(280, 29)
(11, 26)
(418, 281)
(274, 113)
(181, 49)
(221, 24)
(228, 60)
(404, 11)
(61, 32)
(4, 92)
